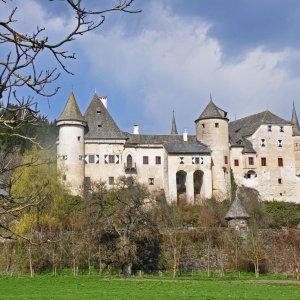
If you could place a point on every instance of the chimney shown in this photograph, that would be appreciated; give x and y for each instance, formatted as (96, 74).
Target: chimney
(104, 101)
(136, 129)
(185, 136)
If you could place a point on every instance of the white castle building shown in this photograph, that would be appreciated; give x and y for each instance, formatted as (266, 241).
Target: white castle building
(263, 151)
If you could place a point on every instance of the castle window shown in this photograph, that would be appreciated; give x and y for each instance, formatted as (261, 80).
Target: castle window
(80, 157)
(151, 181)
(158, 160)
(145, 160)
(269, 128)
(64, 157)
(111, 180)
(280, 143)
(280, 162)
(251, 161)
(263, 161)
(236, 163)
(64, 177)
(280, 194)
(129, 161)
(203, 125)
(181, 160)
(78, 138)
(99, 125)
(225, 160)
(263, 142)
(111, 159)
(281, 129)
(91, 158)
(197, 160)
(279, 181)
(216, 125)
(98, 111)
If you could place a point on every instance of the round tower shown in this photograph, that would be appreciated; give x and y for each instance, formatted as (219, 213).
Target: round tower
(212, 130)
(70, 146)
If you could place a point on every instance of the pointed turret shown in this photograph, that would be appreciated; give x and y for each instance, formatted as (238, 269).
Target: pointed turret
(237, 215)
(212, 111)
(174, 128)
(294, 121)
(71, 111)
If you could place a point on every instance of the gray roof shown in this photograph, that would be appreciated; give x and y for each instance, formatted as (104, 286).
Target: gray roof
(156, 139)
(71, 111)
(212, 111)
(245, 127)
(100, 124)
(174, 127)
(237, 211)
(296, 128)
(186, 147)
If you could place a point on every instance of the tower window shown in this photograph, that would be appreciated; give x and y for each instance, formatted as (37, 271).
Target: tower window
(111, 180)
(263, 161)
(145, 160)
(151, 181)
(251, 161)
(181, 160)
(226, 160)
(269, 128)
(78, 138)
(281, 129)
(203, 125)
(111, 159)
(80, 157)
(216, 125)
(98, 111)
(279, 180)
(158, 160)
(99, 125)
(236, 163)
(263, 142)
(64, 157)
(91, 159)
(280, 162)
(280, 143)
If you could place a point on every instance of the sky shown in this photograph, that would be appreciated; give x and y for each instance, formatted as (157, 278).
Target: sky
(173, 56)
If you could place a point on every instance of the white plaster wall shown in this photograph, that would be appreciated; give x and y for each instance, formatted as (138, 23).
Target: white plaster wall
(69, 145)
(267, 181)
(174, 166)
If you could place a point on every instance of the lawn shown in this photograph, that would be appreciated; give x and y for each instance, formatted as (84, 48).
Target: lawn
(93, 287)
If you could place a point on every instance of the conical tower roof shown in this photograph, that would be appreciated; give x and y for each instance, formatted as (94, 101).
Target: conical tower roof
(100, 122)
(71, 111)
(174, 127)
(212, 111)
(294, 121)
(237, 211)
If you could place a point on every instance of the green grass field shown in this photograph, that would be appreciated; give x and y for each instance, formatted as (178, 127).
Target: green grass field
(93, 287)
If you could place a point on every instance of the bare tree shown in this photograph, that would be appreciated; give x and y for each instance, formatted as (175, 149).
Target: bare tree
(23, 77)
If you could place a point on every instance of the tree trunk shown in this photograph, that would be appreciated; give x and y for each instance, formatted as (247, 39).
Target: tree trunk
(30, 261)
(100, 263)
(256, 266)
(127, 269)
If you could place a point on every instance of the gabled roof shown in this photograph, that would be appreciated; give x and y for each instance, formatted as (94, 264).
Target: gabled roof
(294, 121)
(247, 126)
(237, 211)
(100, 124)
(71, 111)
(212, 111)
(158, 139)
(174, 127)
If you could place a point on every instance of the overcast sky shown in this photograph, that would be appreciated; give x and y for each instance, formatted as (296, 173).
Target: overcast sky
(173, 55)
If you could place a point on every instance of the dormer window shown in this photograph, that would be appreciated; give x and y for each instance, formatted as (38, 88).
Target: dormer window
(270, 128)
(280, 143)
(263, 143)
(281, 129)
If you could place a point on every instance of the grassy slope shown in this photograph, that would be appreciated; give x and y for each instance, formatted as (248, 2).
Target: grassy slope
(85, 287)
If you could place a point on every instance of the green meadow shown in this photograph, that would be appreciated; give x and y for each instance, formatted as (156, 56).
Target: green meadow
(94, 287)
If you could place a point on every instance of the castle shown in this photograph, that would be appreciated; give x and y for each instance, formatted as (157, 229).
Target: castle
(262, 150)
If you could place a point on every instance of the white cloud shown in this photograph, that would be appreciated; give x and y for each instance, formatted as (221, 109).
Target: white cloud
(174, 63)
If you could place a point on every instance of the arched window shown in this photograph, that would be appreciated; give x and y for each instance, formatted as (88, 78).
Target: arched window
(129, 161)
